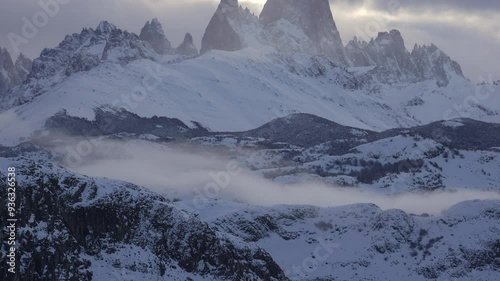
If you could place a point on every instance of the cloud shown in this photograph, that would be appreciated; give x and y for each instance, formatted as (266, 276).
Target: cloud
(12, 129)
(195, 175)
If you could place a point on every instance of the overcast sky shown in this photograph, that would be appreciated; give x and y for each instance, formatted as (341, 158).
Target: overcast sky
(469, 31)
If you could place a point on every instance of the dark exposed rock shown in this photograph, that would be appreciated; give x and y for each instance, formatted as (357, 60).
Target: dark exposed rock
(109, 123)
(315, 18)
(153, 33)
(12, 74)
(23, 67)
(220, 34)
(394, 63)
(432, 63)
(307, 130)
(187, 48)
(6, 71)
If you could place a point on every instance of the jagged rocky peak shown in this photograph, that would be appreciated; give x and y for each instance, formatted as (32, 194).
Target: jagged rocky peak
(394, 63)
(79, 52)
(220, 34)
(105, 27)
(391, 46)
(432, 62)
(187, 48)
(6, 60)
(315, 18)
(12, 74)
(355, 42)
(387, 50)
(153, 33)
(23, 67)
(356, 54)
(6, 71)
(392, 40)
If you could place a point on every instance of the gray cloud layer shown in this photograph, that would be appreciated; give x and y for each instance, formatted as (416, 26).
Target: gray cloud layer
(469, 31)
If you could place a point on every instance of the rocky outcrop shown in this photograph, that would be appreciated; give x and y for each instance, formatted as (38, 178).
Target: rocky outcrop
(187, 48)
(432, 63)
(314, 18)
(23, 67)
(394, 63)
(153, 33)
(220, 33)
(12, 74)
(6, 71)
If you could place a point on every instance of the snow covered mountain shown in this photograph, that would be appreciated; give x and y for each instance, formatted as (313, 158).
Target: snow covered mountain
(387, 86)
(268, 70)
(153, 34)
(187, 47)
(393, 63)
(280, 95)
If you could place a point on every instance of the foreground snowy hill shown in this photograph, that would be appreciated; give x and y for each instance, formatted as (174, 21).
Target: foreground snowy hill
(362, 242)
(75, 227)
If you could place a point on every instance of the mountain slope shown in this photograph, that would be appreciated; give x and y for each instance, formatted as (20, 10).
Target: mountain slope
(251, 86)
(75, 227)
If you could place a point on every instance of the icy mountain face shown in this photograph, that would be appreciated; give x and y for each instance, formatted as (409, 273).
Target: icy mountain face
(314, 18)
(394, 64)
(12, 74)
(153, 33)
(220, 33)
(73, 227)
(78, 53)
(187, 47)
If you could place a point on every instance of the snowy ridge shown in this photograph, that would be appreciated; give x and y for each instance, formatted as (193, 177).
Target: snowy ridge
(252, 86)
(78, 53)
(394, 64)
